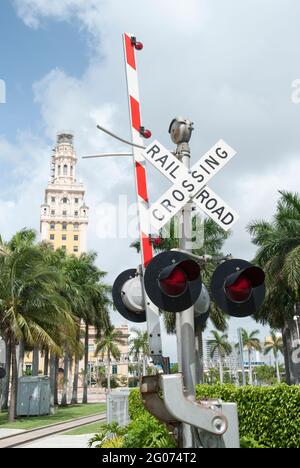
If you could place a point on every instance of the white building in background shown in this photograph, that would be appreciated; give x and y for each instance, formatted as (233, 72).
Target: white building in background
(64, 214)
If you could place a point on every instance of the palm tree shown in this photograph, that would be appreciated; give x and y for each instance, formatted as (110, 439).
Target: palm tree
(250, 342)
(278, 253)
(140, 347)
(108, 346)
(221, 345)
(89, 300)
(275, 345)
(32, 309)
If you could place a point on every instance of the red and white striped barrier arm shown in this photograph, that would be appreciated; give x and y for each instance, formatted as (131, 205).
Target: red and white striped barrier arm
(138, 131)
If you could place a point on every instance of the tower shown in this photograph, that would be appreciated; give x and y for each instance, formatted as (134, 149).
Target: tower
(64, 214)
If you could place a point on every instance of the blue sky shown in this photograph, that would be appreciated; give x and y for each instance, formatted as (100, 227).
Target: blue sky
(27, 55)
(227, 65)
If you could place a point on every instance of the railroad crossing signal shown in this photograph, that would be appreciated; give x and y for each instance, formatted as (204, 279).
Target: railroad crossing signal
(238, 287)
(190, 185)
(173, 281)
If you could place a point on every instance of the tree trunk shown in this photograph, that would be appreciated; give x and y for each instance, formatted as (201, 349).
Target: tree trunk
(46, 361)
(286, 356)
(74, 400)
(250, 367)
(21, 359)
(86, 365)
(144, 365)
(199, 357)
(52, 381)
(55, 381)
(277, 368)
(35, 361)
(108, 371)
(6, 382)
(64, 398)
(221, 370)
(292, 345)
(14, 384)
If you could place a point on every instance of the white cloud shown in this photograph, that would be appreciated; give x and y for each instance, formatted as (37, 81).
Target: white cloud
(218, 62)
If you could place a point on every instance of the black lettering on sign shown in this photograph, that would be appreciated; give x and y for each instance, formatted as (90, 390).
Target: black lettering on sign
(204, 195)
(229, 220)
(207, 172)
(198, 176)
(179, 196)
(212, 162)
(173, 173)
(190, 187)
(162, 160)
(219, 212)
(211, 204)
(167, 205)
(156, 213)
(169, 167)
(154, 150)
(221, 153)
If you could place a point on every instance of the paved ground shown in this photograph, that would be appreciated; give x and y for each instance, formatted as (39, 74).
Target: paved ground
(29, 437)
(61, 441)
(9, 432)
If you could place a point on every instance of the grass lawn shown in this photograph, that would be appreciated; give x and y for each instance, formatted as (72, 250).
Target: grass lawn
(62, 414)
(88, 429)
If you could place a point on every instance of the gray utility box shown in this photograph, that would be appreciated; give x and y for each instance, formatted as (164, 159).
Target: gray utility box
(33, 396)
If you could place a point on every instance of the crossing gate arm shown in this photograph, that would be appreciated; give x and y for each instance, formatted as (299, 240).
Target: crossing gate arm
(152, 312)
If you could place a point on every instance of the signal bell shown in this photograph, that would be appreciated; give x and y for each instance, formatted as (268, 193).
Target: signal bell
(128, 298)
(238, 287)
(173, 281)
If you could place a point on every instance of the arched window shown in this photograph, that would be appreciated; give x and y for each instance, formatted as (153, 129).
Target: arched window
(59, 169)
(65, 169)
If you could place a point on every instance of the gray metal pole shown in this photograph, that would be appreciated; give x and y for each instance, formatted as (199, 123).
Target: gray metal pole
(241, 347)
(186, 319)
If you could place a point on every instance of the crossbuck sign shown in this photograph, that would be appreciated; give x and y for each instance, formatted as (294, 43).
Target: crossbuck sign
(190, 185)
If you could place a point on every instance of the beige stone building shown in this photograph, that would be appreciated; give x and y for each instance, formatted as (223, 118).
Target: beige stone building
(64, 221)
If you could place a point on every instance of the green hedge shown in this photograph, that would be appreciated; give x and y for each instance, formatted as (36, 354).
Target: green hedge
(268, 416)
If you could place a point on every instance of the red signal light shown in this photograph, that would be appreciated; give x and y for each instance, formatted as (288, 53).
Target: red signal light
(145, 133)
(157, 241)
(240, 290)
(137, 45)
(175, 284)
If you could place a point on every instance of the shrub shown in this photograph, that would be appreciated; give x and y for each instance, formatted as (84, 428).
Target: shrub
(269, 416)
(136, 407)
(145, 431)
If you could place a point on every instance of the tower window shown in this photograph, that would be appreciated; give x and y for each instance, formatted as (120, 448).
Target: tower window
(76, 200)
(52, 212)
(64, 237)
(65, 200)
(52, 237)
(64, 213)
(52, 226)
(75, 248)
(65, 169)
(53, 199)
(59, 169)
(76, 213)
(64, 226)
(76, 226)
(76, 238)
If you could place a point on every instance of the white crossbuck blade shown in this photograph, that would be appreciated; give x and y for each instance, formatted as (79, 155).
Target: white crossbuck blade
(190, 185)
